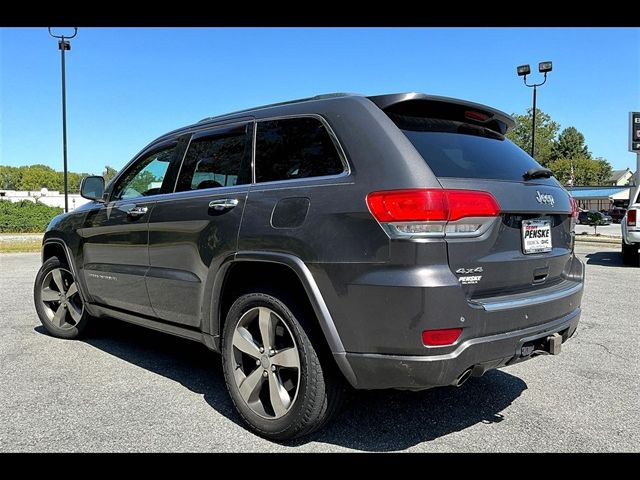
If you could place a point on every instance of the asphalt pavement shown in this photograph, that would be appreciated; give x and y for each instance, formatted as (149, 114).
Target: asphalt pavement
(124, 388)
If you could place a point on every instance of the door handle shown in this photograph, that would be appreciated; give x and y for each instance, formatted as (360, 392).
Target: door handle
(136, 212)
(223, 204)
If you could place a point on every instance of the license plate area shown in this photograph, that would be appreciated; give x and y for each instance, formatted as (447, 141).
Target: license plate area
(536, 236)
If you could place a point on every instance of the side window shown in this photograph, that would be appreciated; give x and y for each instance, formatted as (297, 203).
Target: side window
(219, 159)
(146, 177)
(295, 148)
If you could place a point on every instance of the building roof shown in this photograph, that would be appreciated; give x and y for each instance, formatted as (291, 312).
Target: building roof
(617, 175)
(584, 193)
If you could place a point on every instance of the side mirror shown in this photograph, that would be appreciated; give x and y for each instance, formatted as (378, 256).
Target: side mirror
(92, 187)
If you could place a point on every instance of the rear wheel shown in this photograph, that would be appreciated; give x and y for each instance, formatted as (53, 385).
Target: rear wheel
(630, 255)
(273, 372)
(57, 300)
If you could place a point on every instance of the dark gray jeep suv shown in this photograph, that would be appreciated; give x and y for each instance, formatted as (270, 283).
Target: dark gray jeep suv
(396, 241)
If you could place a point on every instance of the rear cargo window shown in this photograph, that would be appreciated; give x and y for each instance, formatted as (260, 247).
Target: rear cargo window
(461, 150)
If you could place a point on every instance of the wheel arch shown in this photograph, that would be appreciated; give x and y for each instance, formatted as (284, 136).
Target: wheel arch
(56, 247)
(298, 272)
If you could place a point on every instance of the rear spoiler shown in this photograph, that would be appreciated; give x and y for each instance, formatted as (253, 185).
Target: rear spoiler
(422, 105)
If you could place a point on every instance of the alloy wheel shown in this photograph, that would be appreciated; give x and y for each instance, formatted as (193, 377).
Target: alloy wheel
(266, 362)
(59, 296)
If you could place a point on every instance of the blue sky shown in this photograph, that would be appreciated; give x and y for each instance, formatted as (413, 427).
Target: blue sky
(126, 86)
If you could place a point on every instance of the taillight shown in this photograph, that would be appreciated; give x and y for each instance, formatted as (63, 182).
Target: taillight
(444, 336)
(632, 217)
(574, 207)
(433, 212)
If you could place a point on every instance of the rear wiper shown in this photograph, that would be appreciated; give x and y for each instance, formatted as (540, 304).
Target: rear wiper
(537, 172)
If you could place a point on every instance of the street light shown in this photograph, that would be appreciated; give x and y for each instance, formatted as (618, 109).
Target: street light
(523, 71)
(64, 45)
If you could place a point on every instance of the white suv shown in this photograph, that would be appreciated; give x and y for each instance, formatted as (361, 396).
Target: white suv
(631, 233)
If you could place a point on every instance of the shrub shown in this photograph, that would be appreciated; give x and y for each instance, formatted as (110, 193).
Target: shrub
(25, 216)
(594, 219)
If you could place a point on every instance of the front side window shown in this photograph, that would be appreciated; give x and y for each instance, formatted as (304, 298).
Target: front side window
(146, 177)
(219, 159)
(295, 148)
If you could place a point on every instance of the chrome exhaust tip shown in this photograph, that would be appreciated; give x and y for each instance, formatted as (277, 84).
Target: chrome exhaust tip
(463, 377)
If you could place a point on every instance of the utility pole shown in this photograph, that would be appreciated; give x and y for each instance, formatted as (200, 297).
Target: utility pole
(64, 45)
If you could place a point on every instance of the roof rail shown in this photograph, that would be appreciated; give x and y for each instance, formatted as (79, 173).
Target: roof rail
(278, 104)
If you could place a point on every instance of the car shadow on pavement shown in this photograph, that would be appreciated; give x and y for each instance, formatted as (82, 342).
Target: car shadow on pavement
(370, 421)
(395, 420)
(606, 259)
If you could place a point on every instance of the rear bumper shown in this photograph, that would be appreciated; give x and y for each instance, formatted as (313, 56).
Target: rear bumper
(632, 236)
(378, 371)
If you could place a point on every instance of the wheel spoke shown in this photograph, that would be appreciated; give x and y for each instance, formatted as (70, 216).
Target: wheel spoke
(50, 295)
(287, 358)
(63, 306)
(57, 278)
(278, 395)
(267, 328)
(75, 314)
(274, 359)
(58, 318)
(250, 386)
(243, 341)
(73, 289)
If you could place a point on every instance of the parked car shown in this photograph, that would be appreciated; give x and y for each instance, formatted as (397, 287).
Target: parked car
(583, 217)
(617, 213)
(631, 233)
(342, 241)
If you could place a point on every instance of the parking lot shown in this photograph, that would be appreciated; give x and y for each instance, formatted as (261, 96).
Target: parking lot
(613, 230)
(124, 388)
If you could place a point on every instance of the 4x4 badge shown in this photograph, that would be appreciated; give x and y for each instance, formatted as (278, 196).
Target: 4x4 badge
(467, 271)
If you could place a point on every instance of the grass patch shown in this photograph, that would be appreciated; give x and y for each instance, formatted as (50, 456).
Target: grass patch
(19, 246)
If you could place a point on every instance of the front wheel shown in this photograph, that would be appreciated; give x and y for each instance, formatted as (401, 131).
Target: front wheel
(57, 300)
(630, 255)
(273, 372)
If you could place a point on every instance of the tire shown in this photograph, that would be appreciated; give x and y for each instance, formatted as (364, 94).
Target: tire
(630, 255)
(57, 300)
(313, 391)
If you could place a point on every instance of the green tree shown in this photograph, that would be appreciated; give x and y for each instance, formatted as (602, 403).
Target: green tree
(587, 171)
(36, 177)
(570, 144)
(546, 131)
(8, 177)
(109, 173)
(142, 182)
(594, 219)
(73, 181)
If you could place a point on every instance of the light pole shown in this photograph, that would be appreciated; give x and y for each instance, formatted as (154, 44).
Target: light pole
(523, 71)
(64, 45)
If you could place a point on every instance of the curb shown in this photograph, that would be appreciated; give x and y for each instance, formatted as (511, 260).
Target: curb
(598, 239)
(6, 236)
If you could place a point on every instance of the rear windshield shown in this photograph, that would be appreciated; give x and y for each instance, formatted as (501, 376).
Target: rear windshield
(461, 150)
